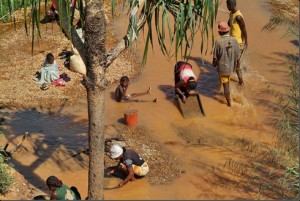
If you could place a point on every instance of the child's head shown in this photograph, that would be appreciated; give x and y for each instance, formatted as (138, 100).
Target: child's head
(53, 182)
(124, 81)
(50, 58)
(231, 4)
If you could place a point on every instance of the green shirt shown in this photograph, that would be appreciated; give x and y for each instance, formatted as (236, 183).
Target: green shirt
(65, 193)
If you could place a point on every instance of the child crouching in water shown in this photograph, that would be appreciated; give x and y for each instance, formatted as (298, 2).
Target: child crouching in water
(49, 71)
(120, 92)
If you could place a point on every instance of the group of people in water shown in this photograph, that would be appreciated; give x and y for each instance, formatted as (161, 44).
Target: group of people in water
(227, 53)
(229, 48)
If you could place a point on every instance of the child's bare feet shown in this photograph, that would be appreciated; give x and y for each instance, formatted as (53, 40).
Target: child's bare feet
(149, 90)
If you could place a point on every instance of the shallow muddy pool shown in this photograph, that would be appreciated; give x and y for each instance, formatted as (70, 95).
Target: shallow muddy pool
(202, 144)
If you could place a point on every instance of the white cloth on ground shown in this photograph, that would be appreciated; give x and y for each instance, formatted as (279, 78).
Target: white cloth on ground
(48, 73)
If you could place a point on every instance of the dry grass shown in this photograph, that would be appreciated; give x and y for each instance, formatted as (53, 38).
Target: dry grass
(17, 67)
(285, 12)
(286, 8)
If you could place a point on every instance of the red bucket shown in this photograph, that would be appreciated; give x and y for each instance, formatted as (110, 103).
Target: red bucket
(130, 117)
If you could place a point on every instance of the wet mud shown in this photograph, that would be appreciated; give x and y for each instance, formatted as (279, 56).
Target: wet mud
(219, 156)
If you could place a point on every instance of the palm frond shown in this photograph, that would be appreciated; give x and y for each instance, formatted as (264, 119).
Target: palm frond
(189, 18)
(1, 8)
(33, 13)
(25, 16)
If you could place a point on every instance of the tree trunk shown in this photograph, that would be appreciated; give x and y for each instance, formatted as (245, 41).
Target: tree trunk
(96, 143)
(95, 83)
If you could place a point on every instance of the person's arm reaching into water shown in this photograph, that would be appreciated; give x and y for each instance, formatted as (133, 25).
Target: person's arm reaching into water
(177, 89)
(130, 177)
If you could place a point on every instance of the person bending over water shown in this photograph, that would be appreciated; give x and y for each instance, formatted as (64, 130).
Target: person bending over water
(59, 190)
(185, 80)
(130, 161)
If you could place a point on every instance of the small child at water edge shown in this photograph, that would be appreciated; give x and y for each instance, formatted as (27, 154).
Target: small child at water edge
(61, 191)
(49, 71)
(120, 92)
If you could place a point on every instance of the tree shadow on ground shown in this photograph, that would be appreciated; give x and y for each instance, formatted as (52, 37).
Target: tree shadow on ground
(53, 139)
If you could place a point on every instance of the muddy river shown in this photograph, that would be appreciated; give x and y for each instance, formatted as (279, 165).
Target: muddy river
(55, 137)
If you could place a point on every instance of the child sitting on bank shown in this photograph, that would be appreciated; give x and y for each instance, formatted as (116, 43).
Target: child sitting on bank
(49, 71)
(120, 92)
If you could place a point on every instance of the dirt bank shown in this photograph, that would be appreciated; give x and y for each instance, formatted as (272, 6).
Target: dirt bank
(17, 67)
(216, 153)
(21, 189)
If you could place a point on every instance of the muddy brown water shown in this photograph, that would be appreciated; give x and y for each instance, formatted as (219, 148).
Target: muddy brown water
(55, 137)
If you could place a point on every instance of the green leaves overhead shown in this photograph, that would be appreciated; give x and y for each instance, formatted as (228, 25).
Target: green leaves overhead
(174, 22)
(33, 7)
(189, 18)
